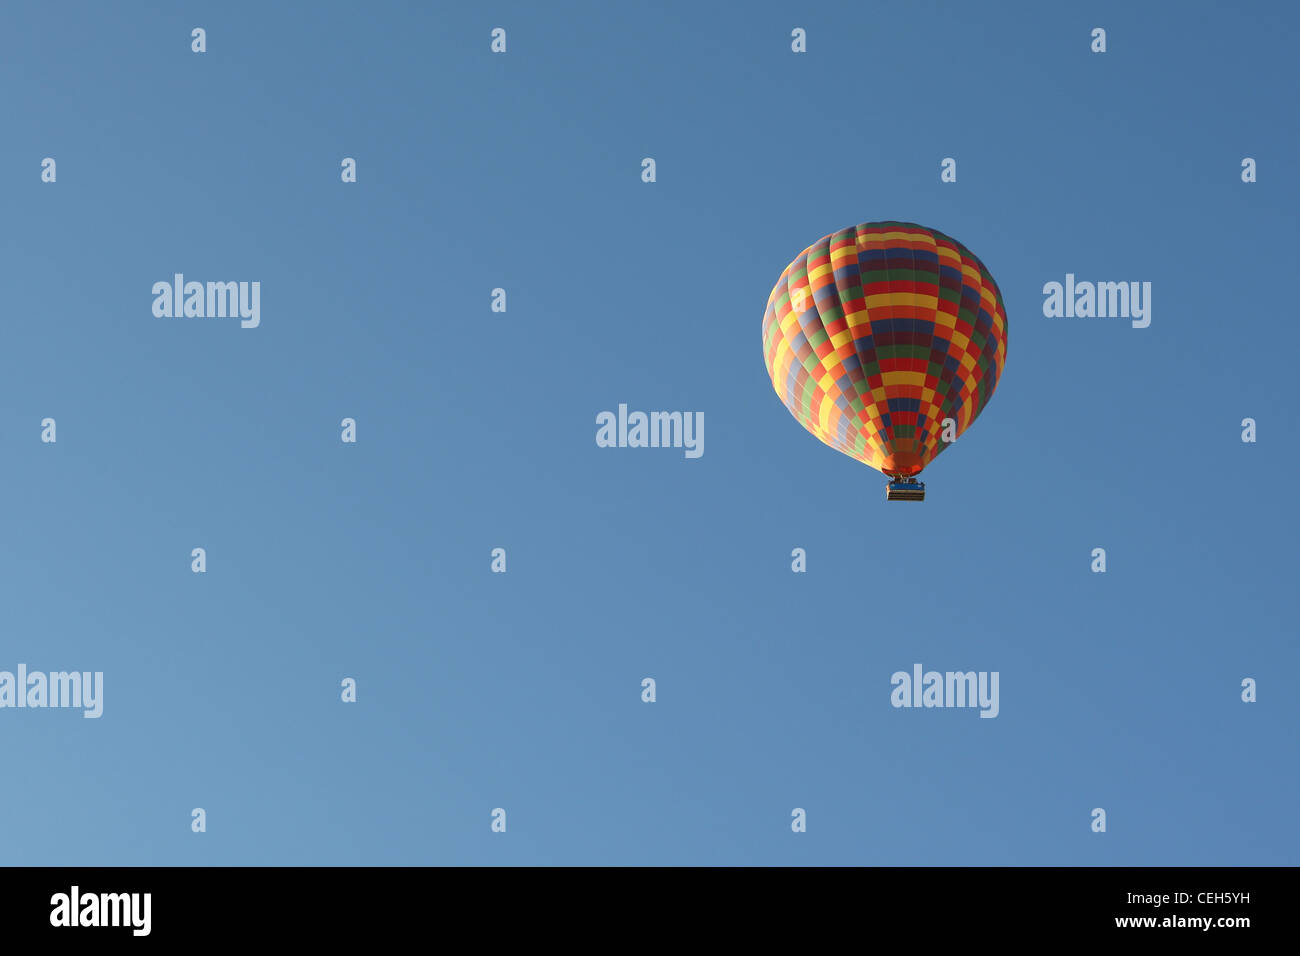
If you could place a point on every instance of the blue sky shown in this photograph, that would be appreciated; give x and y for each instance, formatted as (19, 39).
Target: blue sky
(476, 430)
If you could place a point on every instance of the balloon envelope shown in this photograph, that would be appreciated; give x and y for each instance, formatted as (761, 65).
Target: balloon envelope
(874, 335)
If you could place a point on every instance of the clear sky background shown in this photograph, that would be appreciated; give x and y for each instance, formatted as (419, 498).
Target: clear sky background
(476, 430)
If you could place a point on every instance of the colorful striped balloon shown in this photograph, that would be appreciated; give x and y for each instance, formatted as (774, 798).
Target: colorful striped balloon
(877, 333)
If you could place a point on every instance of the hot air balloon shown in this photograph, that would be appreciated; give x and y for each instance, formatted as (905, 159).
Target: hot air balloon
(886, 340)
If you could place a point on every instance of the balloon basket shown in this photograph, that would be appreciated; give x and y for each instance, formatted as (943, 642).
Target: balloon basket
(905, 490)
